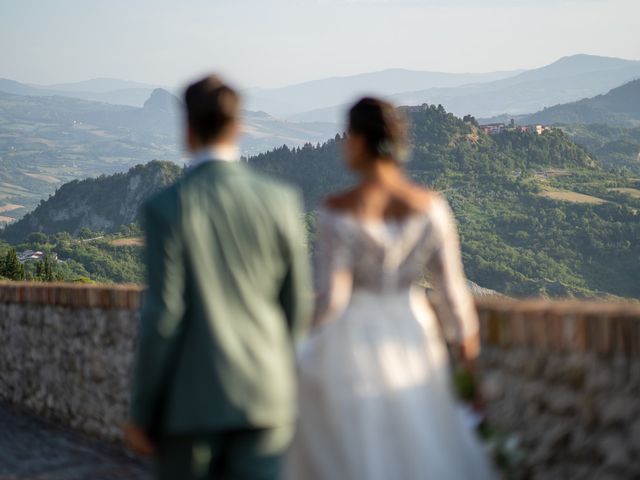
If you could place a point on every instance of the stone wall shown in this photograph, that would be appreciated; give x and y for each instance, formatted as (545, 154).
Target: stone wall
(564, 377)
(66, 352)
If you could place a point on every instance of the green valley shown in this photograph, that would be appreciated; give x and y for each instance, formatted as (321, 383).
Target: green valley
(538, 215)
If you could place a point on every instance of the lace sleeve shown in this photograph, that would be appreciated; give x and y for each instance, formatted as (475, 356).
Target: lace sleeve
(333, 264)
(451, 296)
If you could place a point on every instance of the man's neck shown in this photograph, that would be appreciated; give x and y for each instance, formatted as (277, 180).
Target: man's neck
(222, 152)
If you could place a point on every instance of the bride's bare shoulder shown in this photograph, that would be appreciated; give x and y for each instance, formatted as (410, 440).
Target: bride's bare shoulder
(405, 199)
(342, 202)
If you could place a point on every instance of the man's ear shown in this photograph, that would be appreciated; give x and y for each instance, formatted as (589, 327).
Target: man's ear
(190, 138)
(238, 128)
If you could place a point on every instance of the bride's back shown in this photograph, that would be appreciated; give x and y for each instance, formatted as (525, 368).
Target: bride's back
(384, 234)
(393, 199)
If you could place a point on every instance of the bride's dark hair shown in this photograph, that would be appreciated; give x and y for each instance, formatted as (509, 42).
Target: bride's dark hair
(383, 127)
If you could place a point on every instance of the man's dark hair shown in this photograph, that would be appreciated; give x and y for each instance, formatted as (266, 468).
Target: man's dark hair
(212, 106)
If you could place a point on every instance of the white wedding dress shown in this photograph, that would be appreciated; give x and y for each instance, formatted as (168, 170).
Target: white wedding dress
(376, 401)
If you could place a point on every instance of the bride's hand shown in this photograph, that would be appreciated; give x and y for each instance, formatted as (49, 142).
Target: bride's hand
(468, 371)
(469, 351)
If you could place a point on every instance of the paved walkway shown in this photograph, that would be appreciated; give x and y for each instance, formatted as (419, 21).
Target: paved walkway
(31, 449)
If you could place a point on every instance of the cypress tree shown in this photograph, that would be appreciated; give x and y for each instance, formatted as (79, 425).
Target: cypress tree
(47, 271)
(11, 267)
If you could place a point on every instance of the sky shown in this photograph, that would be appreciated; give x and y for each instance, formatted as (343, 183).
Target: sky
(268, 43)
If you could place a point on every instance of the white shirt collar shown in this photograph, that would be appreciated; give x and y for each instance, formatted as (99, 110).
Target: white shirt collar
(219, 153)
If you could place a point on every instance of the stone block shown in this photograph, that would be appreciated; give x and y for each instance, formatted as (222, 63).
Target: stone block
(618, 410)
(614, 450)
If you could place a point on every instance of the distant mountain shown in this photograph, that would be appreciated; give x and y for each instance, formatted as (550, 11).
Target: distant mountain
(17, 88)
(620, 106)
(161, 114)
(568, 79)
(98, 85)
(46, 141)
(161, 100)
(118, 92)
(322, 93)
(100, 204)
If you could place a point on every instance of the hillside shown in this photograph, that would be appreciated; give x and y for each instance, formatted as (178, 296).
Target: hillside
(100, 204)
(536, 213)
(606, 125)
(615, 147)
(620, 106)
(442, 143)
(46, 141)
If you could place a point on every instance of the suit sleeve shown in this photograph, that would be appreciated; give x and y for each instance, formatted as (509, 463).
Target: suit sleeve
(161, 315)
(295, 293)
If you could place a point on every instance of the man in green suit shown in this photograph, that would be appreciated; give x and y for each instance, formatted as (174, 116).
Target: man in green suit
(227, 296)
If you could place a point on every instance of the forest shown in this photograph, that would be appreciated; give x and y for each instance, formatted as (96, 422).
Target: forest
(538, 214)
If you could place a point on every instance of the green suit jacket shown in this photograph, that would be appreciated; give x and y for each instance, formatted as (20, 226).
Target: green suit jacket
(228, 293)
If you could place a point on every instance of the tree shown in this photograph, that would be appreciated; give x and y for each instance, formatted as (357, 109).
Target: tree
(37, 238)
(11, 267)
(44, 270)
(86, 233)
(47, 271)
(470, 119)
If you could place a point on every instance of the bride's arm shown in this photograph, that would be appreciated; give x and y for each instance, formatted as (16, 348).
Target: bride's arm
(451, 297)
(333, 264)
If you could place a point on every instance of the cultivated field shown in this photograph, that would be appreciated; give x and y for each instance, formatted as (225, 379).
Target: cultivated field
(567, 196)
(9, 207)
(128, 242)
(44, 178)
(633, 192)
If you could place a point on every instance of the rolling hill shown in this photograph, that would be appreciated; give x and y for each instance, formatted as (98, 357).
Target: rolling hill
(615, 147)
(620, 106)
(100, 204)
(537, 214)
(566, 80)
(46, 141)
(50, 140)
(607, 125)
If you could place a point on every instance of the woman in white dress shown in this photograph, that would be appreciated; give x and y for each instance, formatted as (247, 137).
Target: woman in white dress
(375, 394)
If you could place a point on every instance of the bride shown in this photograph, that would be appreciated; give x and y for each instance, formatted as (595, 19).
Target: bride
(375, 395)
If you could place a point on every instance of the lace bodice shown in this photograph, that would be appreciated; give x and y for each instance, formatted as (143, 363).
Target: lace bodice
(388, 256)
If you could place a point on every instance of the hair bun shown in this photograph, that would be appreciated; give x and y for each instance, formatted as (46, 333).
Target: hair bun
(382, 126)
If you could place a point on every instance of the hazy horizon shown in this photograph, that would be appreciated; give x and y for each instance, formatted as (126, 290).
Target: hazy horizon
(280, 42)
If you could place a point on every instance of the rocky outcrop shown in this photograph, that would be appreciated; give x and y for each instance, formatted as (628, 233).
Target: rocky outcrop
(101, 204)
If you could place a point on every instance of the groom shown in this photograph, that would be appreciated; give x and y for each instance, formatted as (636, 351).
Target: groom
(227, 294)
